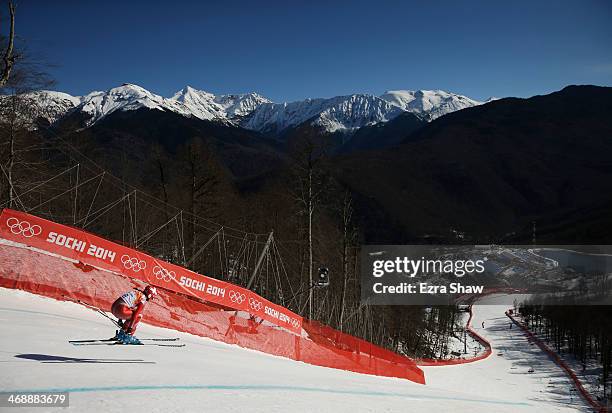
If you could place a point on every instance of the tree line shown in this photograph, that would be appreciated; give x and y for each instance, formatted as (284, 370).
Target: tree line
(580, 331)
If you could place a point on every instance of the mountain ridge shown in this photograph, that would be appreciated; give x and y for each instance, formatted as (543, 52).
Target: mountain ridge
(344, 114)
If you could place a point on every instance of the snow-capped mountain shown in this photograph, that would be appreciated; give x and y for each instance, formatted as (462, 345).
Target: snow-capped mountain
(198, 103)
(53, 105)
(46, 104)
(430, 103)
(342, 113)
(127, 97)
(238, 106)
(204, 105)
(255, 112)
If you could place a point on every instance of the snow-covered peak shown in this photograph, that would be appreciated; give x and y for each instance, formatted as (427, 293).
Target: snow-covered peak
(240, 105)
(188, 94)
(431, 103)
(199, 103)
(347, 113)
(188, 102)
(53, 98)
(126, 97)
(205, 105)
(46, 104)
(341, 113)
(53, 105)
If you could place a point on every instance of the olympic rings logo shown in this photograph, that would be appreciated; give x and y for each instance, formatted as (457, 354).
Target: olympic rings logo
(133, 264)
(237, 298)
(163, 274)
(254, 304)
(23, 227)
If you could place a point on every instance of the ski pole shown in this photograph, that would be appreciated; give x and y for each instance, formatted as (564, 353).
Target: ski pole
(76, 300)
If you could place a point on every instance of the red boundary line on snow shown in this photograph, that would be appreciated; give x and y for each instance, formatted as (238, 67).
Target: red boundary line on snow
(473, 334)
(450, 362)
(561, 363)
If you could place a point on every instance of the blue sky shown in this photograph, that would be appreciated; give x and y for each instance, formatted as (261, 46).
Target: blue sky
(289, 50)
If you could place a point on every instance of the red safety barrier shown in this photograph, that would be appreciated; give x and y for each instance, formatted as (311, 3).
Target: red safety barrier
(52, 276)
(561, 363)
(471, 332)
(95, 251)
(450, 362)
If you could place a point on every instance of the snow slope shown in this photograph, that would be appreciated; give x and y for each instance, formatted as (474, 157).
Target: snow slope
(214, 377)
(505, 372)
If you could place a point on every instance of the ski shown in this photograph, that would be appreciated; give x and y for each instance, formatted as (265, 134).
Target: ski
(160, 339)
(107, 340)
(117, 343)
(104, 340)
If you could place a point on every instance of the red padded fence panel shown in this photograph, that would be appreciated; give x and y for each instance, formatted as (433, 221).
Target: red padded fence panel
(96, 251)
(48, 275)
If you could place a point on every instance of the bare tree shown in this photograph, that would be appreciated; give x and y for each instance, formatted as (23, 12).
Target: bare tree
(349, 235)
(200, 184)
(308, 153)
(9, 56)
(19, 112)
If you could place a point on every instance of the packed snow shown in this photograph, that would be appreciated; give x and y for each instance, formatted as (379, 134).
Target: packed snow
(36, 356)
(588, 373)
(506, 371)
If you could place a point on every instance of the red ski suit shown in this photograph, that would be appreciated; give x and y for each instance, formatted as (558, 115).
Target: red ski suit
(129, 307)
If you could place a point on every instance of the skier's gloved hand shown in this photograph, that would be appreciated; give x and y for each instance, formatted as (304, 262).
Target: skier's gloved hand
(136, 317)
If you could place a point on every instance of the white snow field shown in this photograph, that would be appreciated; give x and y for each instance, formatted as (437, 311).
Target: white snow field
(208, 376)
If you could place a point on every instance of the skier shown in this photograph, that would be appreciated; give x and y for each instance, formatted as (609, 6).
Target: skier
(483, 324)
(129, 307)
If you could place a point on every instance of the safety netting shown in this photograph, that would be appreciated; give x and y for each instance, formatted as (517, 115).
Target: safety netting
(67, 263)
